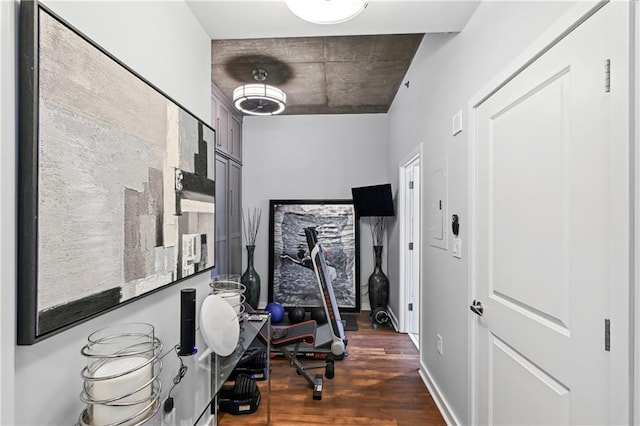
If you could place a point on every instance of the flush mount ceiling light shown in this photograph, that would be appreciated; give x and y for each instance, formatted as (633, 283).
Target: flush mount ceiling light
(326, 11)
(259, 98)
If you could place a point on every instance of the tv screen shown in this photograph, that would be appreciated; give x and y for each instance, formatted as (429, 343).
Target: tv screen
(373, 200)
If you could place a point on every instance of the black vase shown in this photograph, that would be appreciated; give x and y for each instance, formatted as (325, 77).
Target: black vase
(378, 283)
(251, 280)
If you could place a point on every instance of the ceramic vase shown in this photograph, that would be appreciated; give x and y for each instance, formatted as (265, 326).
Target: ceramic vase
(251, 280)
(378, 283)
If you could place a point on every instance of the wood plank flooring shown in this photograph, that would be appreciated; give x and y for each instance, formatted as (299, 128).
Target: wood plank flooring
(377, 384)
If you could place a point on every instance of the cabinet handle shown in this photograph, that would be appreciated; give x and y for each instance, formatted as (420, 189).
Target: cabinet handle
(231, 203)
(232, 140)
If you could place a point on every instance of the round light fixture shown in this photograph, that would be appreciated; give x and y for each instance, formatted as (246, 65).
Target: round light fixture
(259, 98)
(326, 11)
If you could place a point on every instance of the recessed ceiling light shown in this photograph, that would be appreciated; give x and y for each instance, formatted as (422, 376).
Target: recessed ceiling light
(326, 11)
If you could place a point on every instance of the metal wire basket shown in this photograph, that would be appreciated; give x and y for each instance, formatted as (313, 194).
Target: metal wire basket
(232, 290)
(122, 376)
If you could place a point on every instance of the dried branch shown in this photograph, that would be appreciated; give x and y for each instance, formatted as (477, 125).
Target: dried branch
(377, 224)
(251, 226)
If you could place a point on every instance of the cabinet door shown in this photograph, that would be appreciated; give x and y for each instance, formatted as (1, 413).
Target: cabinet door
(236, 138)
(235, 218)
(223, 131)
(222, 184)
(214, 116)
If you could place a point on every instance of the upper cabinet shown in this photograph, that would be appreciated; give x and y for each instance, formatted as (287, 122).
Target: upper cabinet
(236, 137)
(228, 125)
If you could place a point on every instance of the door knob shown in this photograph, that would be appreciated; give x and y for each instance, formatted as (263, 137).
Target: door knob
(476, 308)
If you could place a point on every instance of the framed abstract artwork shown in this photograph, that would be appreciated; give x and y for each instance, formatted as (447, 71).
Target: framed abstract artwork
(291, 283)
(116, 181)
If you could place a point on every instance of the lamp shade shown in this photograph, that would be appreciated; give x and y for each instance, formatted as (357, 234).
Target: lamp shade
(326, 11)
(259, 99)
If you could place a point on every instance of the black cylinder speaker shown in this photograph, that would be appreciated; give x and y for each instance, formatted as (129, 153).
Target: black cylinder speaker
(187, 322)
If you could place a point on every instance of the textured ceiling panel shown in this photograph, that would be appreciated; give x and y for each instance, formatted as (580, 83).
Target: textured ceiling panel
(371, 48)
(321, 75)
(363, 83)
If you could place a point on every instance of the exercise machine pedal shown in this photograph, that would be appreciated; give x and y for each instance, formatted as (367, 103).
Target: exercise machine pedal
(317, 387)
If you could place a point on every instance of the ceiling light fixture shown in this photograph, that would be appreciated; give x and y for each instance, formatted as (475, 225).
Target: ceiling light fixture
(259, 98)
(326, 11)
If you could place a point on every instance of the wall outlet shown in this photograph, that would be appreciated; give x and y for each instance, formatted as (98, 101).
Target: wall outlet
(439, 344)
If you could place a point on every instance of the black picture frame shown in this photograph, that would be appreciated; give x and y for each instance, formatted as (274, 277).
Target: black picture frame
(293, 285)
(116, 181)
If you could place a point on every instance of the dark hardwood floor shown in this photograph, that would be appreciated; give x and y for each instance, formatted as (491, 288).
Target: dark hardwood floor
(377, 384)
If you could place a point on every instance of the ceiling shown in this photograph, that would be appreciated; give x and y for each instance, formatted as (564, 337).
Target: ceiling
(352, 67)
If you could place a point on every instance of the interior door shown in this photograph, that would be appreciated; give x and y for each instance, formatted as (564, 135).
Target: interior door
(547, 186)
(412, 209)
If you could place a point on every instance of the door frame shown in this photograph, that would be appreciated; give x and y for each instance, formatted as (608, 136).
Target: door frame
(417, 152)
(635, 31)
(573, 18)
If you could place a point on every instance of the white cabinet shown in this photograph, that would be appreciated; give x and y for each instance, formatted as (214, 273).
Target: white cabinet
(228, 125)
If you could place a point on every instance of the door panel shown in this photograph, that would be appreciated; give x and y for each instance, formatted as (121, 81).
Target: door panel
(515, 377)
(222, 227)
(528, 205)
(235, 218)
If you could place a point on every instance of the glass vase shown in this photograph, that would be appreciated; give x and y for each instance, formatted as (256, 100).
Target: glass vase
(378, 283)
(251, 280)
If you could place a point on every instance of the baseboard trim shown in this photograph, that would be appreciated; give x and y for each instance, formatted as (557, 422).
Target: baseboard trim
(438, 398)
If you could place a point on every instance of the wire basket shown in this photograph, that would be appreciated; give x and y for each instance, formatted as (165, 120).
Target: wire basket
(232, 290)
(122, 377)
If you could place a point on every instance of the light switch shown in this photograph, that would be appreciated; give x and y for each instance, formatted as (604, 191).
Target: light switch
(457, 248)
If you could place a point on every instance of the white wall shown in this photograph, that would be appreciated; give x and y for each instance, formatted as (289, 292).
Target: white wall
(446, 72)
(311, 157)
(164, 43)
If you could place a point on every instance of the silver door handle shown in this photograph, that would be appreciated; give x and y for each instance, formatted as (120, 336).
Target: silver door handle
(476, 308)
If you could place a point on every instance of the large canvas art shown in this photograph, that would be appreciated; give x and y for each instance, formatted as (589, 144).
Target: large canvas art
(290, 282)
(116, 182)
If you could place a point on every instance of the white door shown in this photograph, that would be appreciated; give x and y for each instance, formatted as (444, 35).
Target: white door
(550, 186)
(411, 227)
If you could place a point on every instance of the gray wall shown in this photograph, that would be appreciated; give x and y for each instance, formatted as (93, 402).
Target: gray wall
(447, 71)
(311, 157)
(8, 11)
(164, 43)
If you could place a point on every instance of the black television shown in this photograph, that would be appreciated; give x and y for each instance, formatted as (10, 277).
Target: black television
(375, 200)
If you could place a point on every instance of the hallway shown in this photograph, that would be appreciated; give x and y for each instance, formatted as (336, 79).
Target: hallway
(378, 384)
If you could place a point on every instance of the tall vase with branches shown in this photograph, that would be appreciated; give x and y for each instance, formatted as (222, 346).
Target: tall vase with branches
(250, 277)
(378, 281)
